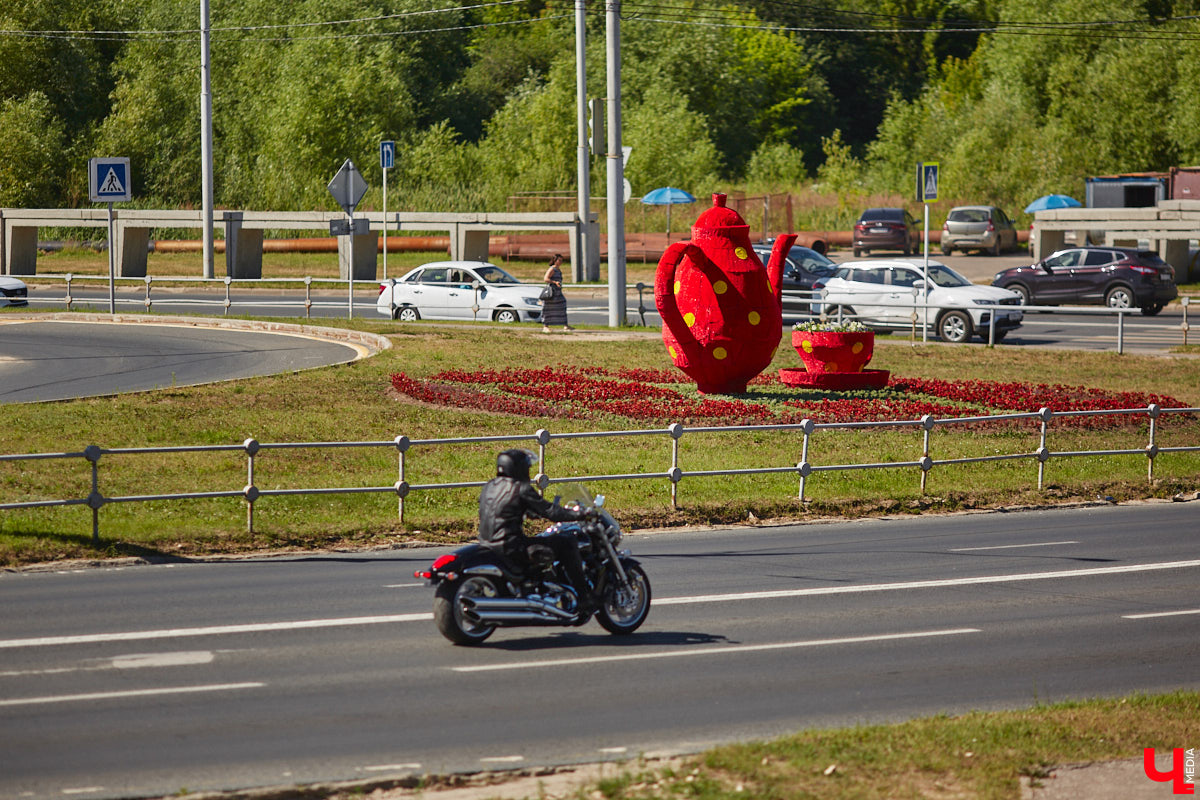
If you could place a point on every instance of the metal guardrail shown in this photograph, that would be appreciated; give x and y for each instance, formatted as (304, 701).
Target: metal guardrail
(804, 469)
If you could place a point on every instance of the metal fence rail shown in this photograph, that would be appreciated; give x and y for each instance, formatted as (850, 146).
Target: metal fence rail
(803, 469)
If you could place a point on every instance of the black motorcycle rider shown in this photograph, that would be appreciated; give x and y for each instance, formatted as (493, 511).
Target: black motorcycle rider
(503, 504)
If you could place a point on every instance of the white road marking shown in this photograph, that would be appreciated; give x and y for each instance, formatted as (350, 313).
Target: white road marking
(84, 790)
(391, 767)
(614, 750)
(215, 630)
(1007, 546)
(72, 698)
(503, 759)
(403, 585)
(714, 651)
(1161, 614)
(143, 660)
(934, 584)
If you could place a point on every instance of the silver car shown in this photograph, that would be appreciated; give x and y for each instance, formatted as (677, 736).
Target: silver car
(984, 228)
(460, 290)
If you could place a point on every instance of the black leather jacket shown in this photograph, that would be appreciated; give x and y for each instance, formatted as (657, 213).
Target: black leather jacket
(503, 504)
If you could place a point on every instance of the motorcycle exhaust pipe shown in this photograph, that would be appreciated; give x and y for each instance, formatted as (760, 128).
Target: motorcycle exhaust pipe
(496, 609)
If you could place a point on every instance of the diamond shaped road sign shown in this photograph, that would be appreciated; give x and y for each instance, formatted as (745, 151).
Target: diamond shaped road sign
(348, 187)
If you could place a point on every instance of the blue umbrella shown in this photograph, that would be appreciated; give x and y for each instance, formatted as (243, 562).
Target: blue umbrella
(667, 196)
(1049, 201)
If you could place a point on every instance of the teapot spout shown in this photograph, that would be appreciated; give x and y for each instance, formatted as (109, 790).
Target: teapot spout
(775, 266)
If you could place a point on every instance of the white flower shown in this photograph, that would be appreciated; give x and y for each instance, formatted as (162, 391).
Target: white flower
(830, 326)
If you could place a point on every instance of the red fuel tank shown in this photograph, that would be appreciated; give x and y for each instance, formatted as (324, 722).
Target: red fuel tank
(720, 306)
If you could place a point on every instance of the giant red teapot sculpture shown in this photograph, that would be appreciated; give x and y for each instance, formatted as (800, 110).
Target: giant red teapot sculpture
(721, 309)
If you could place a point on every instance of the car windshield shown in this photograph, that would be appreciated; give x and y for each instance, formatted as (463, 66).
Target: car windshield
(490, 273)
(969, 215)
(812, 261)
(941, 275)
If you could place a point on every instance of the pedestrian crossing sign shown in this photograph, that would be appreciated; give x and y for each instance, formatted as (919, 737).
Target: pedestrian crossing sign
(109, 180)
(927, 181)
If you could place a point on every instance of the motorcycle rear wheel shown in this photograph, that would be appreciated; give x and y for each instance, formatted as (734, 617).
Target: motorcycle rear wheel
(623, 610)
(449, 610)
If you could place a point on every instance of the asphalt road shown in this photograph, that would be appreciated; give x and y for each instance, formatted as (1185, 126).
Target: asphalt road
(589, 306)
(57, 360)
(149, 680)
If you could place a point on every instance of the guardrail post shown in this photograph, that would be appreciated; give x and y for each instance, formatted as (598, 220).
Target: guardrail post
(68, 301)
(94, 500)
(641, 287)
(307, 297)
(542, 437)
(927, 423)
(1152, 411)
(1120, 333)
(250, 491)
(1043, 455)
(804, 468)
(675, 473)
(1184, 325)
(228, 302)
(148, 279)
(402, 445)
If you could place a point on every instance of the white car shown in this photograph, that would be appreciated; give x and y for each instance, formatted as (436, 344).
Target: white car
(884, 295)
(13, 292)
(461, 290)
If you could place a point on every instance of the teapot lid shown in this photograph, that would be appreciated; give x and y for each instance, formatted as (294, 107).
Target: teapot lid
(719, 221)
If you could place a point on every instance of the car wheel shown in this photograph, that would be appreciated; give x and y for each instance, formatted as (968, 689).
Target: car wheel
(857, 252)
(995, 248)
(947, 249)
(1150, 311)
(407, 314)
(1021, 291)
(954, 326)
(507, 315)
(1119, 297)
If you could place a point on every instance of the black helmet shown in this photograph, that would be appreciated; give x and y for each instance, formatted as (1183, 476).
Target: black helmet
(515, 464)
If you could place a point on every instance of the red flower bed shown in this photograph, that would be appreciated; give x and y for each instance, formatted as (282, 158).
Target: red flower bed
(663, 396)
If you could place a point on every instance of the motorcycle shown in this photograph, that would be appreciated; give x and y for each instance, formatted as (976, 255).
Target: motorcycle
(477, 590)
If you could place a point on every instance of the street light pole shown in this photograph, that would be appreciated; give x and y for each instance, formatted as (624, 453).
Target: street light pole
(206, 151)
(580, 256)
(616, 170)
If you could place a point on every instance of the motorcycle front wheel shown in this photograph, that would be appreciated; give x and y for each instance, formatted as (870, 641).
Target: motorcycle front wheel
(450, 610)
(624, 610)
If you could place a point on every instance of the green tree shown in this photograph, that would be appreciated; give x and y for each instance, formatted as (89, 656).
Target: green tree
(31, 172)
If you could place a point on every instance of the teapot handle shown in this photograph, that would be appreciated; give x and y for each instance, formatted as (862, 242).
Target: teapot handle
(664, 295)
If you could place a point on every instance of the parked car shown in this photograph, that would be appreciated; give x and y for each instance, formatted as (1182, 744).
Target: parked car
(884, 295)
(886, 229)
(802, 268)
(984, 228)
(470, 290)
(1118, 277)
(13, 292)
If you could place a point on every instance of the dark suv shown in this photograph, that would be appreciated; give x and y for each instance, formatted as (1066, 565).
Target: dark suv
(885, 229)
(1117, 277)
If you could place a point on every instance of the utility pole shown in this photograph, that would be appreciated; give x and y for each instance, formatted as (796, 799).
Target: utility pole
(616, 170)
(583, 166)
(206, 151)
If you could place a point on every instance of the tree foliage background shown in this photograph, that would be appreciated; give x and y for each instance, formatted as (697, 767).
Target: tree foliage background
(1015, 98)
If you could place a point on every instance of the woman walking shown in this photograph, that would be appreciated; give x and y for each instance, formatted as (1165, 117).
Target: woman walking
(554, 308)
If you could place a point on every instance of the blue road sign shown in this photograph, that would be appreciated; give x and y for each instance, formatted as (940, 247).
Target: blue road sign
(927, 181)
(109, 180)
(387, 154)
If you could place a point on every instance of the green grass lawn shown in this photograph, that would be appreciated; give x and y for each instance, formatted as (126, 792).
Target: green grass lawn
(356, 402)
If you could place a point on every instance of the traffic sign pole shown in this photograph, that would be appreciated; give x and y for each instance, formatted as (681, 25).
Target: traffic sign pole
(112, 265)
(387, 158)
